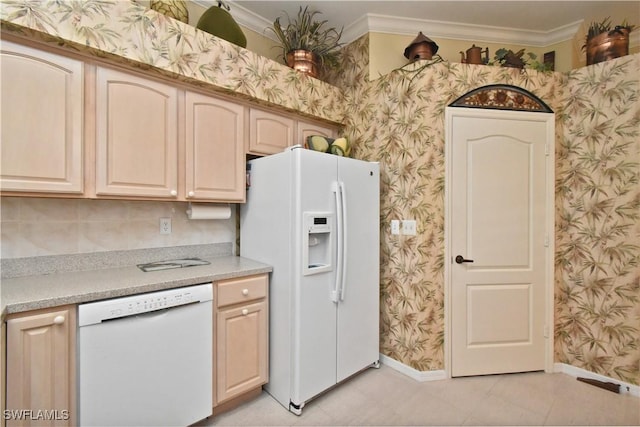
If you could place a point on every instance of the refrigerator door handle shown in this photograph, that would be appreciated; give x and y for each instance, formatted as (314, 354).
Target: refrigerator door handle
(344, 234)
(337, 191)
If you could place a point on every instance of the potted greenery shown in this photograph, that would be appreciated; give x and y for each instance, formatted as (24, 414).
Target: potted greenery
(306, 43)
(604, 42)
(520, 59)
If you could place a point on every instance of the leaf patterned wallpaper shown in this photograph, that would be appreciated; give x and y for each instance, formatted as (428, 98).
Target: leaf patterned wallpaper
(398, 120)
(597, 287)
(128, 33)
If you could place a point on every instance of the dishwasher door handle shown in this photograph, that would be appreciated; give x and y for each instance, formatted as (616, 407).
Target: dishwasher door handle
(151, 314)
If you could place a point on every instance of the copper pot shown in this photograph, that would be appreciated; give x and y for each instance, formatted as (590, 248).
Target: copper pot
(607, 46)
(304, 61)
(474, 55)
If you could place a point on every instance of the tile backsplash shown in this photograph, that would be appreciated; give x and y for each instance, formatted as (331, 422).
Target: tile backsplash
(39, 226)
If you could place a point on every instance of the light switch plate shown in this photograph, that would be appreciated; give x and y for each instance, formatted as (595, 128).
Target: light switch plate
(395, 226)
(409, 227)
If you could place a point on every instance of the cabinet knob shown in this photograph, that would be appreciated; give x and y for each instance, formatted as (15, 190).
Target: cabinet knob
(191, 194)
(174, 193)
(245, 312)
(245, 292)
(58, 320)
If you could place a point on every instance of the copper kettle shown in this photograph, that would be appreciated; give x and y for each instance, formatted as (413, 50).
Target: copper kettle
(474, 55)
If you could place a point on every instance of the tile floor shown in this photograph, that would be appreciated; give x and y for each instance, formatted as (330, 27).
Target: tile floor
(385, 397)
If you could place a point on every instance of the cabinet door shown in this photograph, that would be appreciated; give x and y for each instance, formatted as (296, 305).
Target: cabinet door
(42, 115)
(307, 129)
(136, 136)
(215, 164)
(41, 364)
(241, 356)
(269, 133)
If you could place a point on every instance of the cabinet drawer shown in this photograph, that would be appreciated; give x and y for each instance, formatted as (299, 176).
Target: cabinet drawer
(241, 290)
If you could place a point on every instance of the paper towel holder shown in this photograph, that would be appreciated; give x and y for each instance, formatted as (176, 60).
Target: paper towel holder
(208, 211)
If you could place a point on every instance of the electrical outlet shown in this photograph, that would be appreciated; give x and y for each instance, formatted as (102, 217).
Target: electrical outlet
(409, 227)
(395, 226)
(165, 225)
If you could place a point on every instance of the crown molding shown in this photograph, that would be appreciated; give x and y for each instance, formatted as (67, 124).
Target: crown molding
(459, 31)
(409, 26)
(356, 30)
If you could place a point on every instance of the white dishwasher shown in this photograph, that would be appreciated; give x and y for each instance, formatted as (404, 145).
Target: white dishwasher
(147, 360)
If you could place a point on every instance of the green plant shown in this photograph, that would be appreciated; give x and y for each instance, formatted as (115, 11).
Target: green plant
(304, 32)
(521, 59)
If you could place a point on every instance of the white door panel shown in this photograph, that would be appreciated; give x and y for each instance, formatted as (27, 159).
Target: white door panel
(501, 314)
(504, 163)
(498, 198)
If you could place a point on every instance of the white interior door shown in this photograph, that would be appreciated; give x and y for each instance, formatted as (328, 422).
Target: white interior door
(499, 234)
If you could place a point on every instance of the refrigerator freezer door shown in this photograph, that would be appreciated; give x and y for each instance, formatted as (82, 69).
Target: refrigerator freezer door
(314, 358)
(358, 308)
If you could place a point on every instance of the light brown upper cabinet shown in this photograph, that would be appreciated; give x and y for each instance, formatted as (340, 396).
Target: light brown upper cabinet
(136, 136)
(269, 133)
(81, 129)
(307, 129)
(215, 164)
(42, 119)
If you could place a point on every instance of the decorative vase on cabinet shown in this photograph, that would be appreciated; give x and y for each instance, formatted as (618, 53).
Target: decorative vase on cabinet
(304, 61)
(607, 46)
(176, 9)
(218, 21)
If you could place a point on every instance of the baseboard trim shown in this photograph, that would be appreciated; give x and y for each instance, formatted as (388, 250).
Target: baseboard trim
(421, 376)
(574, 371)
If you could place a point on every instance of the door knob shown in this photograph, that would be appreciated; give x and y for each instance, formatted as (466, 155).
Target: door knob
(460, 259)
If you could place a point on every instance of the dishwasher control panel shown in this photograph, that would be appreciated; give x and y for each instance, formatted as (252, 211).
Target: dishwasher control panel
(97, 312)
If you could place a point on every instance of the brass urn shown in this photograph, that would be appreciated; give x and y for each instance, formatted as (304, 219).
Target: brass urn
(304, 61)
(607, 46)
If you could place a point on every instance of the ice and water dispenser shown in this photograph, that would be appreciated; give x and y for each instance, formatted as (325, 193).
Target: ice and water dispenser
(317, 245)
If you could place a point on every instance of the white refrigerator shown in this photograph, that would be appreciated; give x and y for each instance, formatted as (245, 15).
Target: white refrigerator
(315, 217)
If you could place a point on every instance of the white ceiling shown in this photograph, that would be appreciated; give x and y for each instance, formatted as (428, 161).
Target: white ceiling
(530, 22)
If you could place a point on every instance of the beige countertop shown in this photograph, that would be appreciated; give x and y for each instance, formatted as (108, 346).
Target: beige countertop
(50, 290)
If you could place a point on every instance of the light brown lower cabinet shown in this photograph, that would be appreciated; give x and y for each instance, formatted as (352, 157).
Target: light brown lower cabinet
(41, 348)
(241, 337)
(41, 355)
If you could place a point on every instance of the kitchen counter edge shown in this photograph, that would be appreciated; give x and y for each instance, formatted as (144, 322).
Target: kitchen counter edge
(27, 293)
